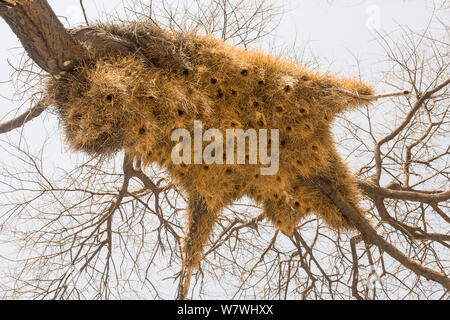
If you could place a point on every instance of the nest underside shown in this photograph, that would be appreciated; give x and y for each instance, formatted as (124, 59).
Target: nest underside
(134, 103)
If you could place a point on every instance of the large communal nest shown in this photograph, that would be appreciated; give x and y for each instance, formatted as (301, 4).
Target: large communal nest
(113, 102)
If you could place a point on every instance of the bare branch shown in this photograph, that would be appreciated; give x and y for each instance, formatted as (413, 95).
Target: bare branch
(370, 235)
(42, 35)
(417, 105)
(84, 12)
(375, 191)
(27, 116)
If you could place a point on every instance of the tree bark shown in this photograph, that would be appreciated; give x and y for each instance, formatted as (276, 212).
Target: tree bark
(371, 236)
(42, 35)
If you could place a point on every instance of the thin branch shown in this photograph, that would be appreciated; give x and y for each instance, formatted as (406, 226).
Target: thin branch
(417, 105)
(84, 12)
(375, 96)
(355, 269)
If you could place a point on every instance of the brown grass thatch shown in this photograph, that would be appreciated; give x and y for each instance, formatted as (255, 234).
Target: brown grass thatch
(133, 103)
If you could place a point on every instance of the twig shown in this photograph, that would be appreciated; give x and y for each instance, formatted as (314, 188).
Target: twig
(84, 12)
(417, 105)
(375, 96)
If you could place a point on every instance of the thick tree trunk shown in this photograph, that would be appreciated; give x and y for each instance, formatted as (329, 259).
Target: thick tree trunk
(54, 48)
(42, 35)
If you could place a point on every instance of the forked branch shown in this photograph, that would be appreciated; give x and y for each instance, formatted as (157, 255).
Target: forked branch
(371, 236)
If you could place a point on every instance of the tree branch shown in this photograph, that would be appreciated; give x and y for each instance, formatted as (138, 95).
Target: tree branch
(29, 115)
(427, 95)
(84, 12)
(355, 269)
(374, 191)
(370, 235)
(42, 35)
(374, 96)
